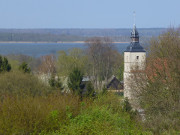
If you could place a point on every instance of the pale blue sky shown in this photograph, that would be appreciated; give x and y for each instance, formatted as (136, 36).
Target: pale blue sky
(88, 13)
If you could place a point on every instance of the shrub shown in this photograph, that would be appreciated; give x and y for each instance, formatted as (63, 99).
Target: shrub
(34, 115)
(55, 83)
(64, 114)
(18, 83)
(4, 64)
(24, 67)
(90, 90)
(102, 118)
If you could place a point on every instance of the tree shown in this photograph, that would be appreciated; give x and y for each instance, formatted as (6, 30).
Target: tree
(67, 61)
(48, 64)
(75, 81)
(55, 82)
(103, 58)
(4, 64)
(157, 89)
(16, 59)
(90, 90)
(120, 71)
(24, 67)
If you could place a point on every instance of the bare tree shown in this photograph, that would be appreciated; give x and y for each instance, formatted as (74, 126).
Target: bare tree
(48, 64)
(103, 59)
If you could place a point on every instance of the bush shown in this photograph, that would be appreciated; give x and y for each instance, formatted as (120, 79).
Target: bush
(4, 64)
(55, 83)
(104, 116)
(24, 67)
(90, 90)
(100, 120)
(36, 115)
(65, 114)
(18, 83)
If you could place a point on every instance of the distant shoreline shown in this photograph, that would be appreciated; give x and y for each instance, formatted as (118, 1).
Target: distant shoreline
(21, 42)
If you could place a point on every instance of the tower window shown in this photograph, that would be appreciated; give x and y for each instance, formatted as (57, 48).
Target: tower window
(137, 57)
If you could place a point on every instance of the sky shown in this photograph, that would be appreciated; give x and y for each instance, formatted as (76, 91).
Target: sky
(89, 13)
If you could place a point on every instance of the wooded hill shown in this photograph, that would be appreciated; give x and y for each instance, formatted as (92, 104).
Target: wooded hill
(55, 35)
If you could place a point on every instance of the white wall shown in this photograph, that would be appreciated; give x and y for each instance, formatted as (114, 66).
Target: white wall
(132, 60)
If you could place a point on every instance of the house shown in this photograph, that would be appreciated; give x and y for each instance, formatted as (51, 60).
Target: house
(115, 85)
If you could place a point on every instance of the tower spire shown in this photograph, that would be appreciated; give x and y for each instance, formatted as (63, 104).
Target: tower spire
(134, 15)
(134, 33)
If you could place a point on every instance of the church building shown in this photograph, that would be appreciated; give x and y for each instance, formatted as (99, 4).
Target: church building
(134, 58)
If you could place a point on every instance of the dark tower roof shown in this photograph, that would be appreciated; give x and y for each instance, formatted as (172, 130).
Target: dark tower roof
(134, 45)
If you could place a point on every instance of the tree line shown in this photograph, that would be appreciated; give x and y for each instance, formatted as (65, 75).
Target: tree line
(49, 37)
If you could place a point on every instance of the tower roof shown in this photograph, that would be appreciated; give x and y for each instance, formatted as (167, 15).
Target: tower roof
(134, 45)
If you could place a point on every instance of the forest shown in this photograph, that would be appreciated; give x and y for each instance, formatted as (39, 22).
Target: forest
(70, 35)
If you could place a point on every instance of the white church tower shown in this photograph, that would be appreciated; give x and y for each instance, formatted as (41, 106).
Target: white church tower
(134, 57)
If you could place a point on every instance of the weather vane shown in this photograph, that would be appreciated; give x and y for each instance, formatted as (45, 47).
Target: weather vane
(134, 14)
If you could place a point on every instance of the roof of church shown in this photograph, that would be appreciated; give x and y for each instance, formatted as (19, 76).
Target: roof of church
(135, 45)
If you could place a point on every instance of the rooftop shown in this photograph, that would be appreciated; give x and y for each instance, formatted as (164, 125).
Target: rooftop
(134, 47)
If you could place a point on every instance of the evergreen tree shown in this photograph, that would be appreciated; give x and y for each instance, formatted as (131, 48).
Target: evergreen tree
(75, 81)
(24, 67)
(55, 83)
(90, 90)
(4, 64)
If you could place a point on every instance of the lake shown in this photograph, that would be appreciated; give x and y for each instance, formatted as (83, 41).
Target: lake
(40, 49)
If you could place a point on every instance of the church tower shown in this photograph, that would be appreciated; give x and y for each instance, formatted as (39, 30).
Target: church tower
(134, 57)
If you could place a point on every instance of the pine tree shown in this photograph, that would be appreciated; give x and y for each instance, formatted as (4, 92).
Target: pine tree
(55, 83)
(75, 81)
(24, 67)
(4, 64)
